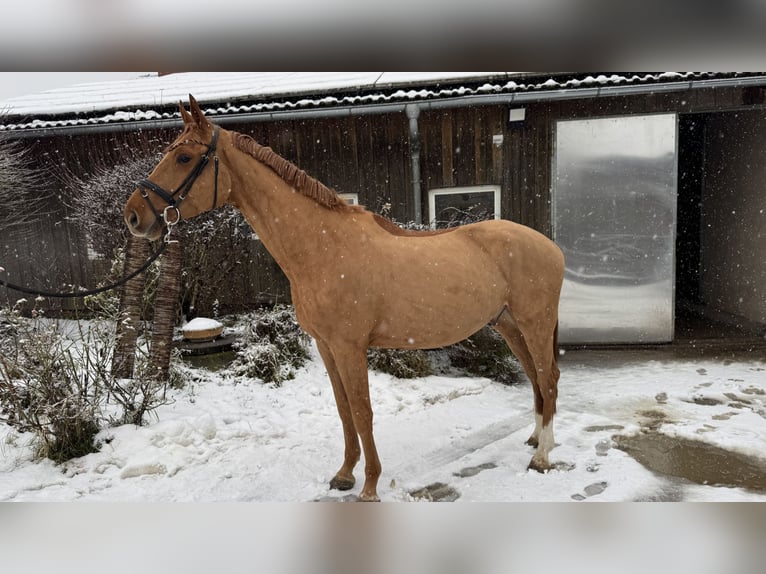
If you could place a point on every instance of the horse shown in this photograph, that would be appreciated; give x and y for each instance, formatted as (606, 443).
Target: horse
(358, 280)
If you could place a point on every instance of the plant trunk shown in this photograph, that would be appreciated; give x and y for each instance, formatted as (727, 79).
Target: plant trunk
(129, 317)
(165, 311)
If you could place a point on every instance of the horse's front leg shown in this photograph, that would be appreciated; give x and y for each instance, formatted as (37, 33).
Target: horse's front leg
(351, 362)
(344, 478)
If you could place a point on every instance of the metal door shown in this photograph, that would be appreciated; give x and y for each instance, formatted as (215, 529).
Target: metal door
(614, 216)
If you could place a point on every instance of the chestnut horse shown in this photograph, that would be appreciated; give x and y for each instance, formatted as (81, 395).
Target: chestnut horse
(357, 280)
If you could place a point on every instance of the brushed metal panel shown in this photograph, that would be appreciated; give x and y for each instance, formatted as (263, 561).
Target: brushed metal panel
(614, 216)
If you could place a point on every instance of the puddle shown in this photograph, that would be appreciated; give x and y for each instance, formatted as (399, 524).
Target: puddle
(212, 362)
(693, 460)
(601, 428)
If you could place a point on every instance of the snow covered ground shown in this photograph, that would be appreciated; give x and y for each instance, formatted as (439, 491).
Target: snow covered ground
(227, 439)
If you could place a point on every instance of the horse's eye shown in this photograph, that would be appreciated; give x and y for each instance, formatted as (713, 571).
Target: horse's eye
(183, 158)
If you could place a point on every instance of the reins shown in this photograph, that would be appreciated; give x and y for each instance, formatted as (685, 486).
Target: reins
(170, 216)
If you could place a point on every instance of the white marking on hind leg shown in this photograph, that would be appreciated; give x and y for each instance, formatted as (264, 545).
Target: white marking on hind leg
(539, 461)
(534, 438)
(546, 439)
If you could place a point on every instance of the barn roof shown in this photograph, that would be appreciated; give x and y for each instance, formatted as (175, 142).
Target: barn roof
(152, 98)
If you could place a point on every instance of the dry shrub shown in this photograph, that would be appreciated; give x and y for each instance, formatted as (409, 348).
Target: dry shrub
(401, 363)
(484, 354)
(272, 346)
(56, 382)
(43, 391)
(21, 197)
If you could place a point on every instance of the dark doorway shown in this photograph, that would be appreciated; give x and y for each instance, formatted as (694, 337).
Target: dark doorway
(705, 245)
(691, 167)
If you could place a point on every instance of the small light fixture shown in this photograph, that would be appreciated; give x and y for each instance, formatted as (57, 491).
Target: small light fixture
(517, 115)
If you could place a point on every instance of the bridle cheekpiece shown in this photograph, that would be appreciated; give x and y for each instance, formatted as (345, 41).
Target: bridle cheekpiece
(171, 215)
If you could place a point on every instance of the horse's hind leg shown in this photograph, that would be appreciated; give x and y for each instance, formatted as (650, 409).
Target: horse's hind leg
(533, 342)
(540, 338)
(344, 478)
(507, 327)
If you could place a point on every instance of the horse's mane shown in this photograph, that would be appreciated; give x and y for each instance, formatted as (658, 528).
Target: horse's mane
(292, 175)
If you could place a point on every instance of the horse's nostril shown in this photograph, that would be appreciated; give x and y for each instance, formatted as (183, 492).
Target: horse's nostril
(133, 219)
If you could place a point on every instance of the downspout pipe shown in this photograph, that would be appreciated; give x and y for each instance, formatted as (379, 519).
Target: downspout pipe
(413, 113)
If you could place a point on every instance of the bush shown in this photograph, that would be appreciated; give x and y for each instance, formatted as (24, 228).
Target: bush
(21, 188)
(484, 354)
(401, 363)
(272, 346)
(56, 382)
(43, 391)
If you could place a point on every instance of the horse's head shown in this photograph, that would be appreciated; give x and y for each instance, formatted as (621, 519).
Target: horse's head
(187, 181)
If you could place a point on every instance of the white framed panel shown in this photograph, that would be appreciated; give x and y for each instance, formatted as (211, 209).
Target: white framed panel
(350, 198)
(450, 206)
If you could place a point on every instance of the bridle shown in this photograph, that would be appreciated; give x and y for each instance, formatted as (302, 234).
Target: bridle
(171, 214)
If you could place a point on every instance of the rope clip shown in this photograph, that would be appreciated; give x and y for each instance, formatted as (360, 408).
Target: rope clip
(170, 223)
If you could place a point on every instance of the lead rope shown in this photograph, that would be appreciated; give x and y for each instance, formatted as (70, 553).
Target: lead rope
(87, 293)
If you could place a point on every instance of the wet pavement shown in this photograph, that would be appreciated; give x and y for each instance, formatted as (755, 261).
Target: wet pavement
(695, 461)
(680, 460)
(683, 458)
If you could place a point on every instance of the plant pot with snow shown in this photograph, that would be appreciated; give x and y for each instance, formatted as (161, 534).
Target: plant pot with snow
(202, 329)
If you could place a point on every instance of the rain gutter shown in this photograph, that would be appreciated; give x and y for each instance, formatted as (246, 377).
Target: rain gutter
(400, 107)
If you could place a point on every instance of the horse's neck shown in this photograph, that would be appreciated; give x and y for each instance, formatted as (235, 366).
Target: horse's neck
(290, 225)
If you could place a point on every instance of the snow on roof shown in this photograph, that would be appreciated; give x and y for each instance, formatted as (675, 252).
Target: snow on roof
(154, 97)
(155, 91)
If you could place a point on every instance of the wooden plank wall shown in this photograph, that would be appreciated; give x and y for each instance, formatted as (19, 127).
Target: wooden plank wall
(459, 149)
(368, 155)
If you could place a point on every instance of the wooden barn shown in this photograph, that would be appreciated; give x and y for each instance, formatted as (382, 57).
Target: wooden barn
(652, 183)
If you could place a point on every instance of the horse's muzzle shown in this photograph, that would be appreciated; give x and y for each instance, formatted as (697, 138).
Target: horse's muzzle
(147, 226)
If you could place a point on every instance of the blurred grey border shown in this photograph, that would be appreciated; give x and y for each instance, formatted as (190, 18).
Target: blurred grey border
(520, 34)
(416, 538)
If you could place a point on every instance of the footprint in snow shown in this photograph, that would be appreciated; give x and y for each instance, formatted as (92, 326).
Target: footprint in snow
(591, 490)
(474, 470)
(436, 492)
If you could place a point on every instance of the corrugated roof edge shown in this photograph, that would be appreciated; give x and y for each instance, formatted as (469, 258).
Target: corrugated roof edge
(426, 92)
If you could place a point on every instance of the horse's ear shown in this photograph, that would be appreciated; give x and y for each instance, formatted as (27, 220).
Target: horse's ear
(185, 115)
(197, 115)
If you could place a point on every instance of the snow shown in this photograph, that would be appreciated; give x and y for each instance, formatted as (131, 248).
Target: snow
(201, 324)
(233, 439)
(149, 97)
(153, 90)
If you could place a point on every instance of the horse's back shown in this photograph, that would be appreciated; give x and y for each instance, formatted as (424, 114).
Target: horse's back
(511, 240)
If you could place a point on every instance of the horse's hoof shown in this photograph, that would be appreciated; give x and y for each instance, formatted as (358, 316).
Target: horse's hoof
(533, 442)
(368, 497)
(539, 466)
(341, 483)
